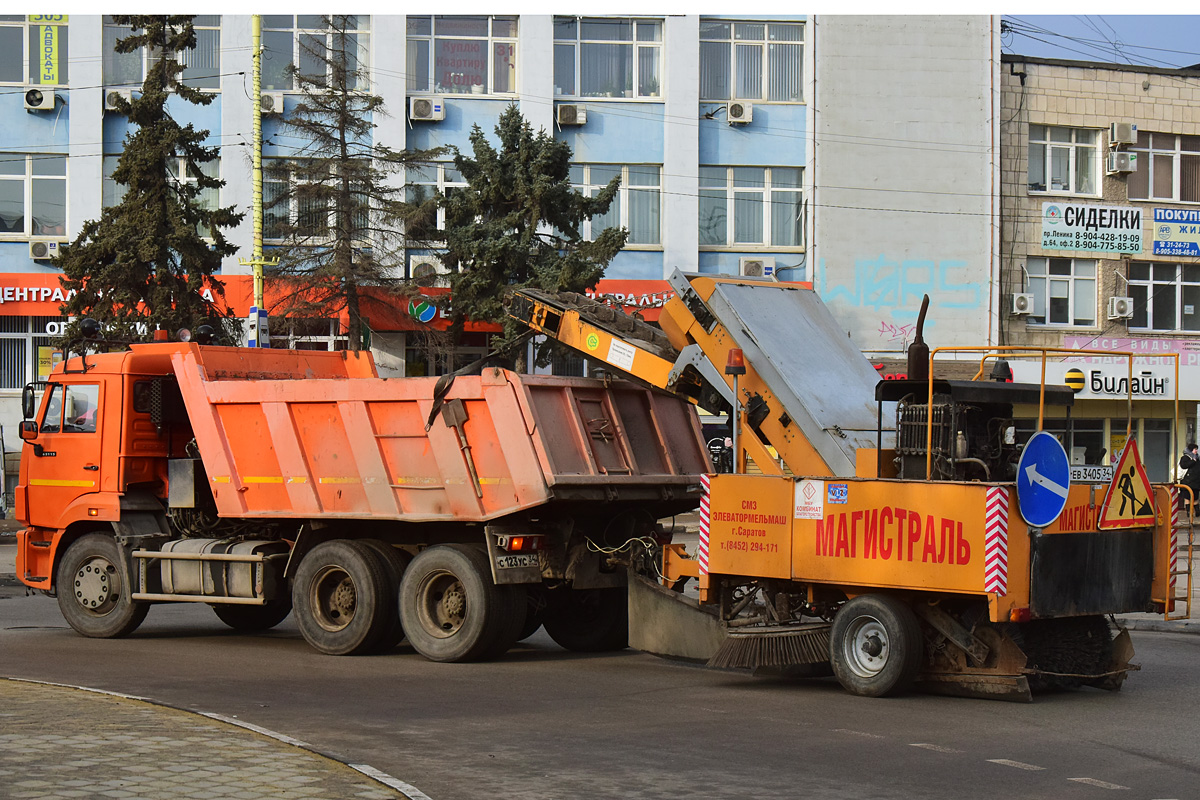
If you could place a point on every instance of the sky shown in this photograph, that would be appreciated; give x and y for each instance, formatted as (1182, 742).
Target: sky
(1156, 41)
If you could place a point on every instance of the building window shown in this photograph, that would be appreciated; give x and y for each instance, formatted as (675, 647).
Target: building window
(1166, 297)
(177, 168)
(306, 333)
(299, 202)
(1064, 290)
(427, 180)
(33, 195)
(1168, 168)
(751, 61)
(34, 49)
(1063, 160)
(25, 350)
(307, 41)
(636, 207)
(607, 57)
(201, 64)
(462, 54)
(766, 203)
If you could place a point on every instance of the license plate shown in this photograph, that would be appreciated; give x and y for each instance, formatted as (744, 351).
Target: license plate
(518, 561)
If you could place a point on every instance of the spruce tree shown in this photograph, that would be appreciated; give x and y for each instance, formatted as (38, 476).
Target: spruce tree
(146, 262)
(344, 234)
(515, 224)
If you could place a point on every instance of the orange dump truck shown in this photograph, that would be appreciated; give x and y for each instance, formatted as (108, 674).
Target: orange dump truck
(263, 482)
(892, 532)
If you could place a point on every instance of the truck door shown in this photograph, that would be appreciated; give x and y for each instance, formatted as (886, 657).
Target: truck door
(64, 460)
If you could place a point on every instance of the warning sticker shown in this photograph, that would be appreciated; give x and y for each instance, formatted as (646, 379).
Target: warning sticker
(1128, 503)
(620, 355)
(810, 499)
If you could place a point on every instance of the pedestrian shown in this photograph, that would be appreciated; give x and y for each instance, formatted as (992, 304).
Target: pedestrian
(1189, 463)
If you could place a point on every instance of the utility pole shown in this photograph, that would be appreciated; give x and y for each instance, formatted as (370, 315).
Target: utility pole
(258, 335)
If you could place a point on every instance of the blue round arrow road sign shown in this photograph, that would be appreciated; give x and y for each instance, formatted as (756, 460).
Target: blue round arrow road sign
(1043, 479)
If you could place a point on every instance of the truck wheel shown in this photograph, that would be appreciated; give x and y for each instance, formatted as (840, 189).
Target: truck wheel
(875, 646)
(588, 620)
(91, 595)
(513, 604)
(449, 606)
(396, 561)
(340, 596)
(254, 618)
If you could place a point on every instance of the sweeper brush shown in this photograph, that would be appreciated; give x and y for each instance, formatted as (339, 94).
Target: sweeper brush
(777, 646)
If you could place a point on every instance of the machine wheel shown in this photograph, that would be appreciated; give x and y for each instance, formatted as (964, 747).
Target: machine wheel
(254, 618)
(588, 620)
(513, 604)
(92, 596)
(396, 561)
(875, 646)
(449, 606)
(340, 595)
(535, 610)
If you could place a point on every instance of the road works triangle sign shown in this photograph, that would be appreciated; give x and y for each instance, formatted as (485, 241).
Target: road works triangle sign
(1129, 501)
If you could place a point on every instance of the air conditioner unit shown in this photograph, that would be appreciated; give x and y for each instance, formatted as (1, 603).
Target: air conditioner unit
(1122, 133)
(1122, 162)
(39, 100)
(1120, 307)
(428, 109)
(571, 114)
(739, 112)
(756, 267)
(43, 251)
(112, 96)
(1022, 304)
(270, 103)
(425, 270)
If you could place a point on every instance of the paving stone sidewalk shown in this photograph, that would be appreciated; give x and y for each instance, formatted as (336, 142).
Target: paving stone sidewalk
(58, 742)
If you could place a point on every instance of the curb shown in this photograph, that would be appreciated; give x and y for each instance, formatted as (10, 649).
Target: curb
(1161, 625)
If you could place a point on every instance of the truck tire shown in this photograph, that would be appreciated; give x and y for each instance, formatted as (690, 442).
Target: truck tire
(396, 561)
(450, 609)
(340, 597)
(588, 620)
(513, 604)
(93, 598)
(875, 647)
(254, 618)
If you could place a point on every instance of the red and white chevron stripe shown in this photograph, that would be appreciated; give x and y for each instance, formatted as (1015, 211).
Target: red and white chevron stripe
(995, 561)
(704, 517)
(1174, 562)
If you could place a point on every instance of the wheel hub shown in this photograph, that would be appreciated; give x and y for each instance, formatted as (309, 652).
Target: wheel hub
(454, 603)
(335, 599)
(95, 585)
(866, 647)
(442, 604)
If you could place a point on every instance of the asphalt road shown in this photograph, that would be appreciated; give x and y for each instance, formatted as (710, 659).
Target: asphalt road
(543, 723)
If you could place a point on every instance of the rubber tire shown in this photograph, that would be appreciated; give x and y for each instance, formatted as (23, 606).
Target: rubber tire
(588, 620)
(120, 615)
(482, 624)
(254, 618)
(341, 566)
(396, 562)
(535, 610)
(904, 645)
(514, 602)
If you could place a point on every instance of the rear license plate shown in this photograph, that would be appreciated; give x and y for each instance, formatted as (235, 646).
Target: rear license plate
(517, 561)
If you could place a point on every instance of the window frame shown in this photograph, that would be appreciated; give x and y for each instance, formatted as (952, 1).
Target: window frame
(296, 31)
(765, 59)
(492, 40)
(149, 55)
(1146, 156)
(1143, 290)
(27, 25)
(768, 190)
(333, 338)
(27, 180)
(32, 336)
(590, 188)
(635, 45)
(109, 164)
(1072, 280)
(314, 238)
(1048, 144)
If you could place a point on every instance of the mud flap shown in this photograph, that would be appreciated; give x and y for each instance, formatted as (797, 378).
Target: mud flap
(669, 624)
(1119, 667)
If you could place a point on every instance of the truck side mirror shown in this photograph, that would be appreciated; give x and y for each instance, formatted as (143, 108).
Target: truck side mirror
(28, 409)
(29, 430)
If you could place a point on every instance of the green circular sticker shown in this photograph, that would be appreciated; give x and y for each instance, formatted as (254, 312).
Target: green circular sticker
(593, 341)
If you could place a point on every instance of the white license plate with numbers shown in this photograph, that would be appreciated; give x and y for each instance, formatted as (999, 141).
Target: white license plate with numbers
(517, 561)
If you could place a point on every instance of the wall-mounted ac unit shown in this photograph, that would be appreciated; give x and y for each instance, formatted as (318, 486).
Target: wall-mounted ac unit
(756, 266)
(1120, 307)
(39, 99)
(739, 112)
(113, 96)
(1122, 162)
(425, 270)
(427, 109)
(43, 251)
(1022, 304)
(270, 103)
(571, 114)
(1122, 133)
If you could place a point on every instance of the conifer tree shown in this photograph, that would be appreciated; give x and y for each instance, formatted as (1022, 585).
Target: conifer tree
(146, 263)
